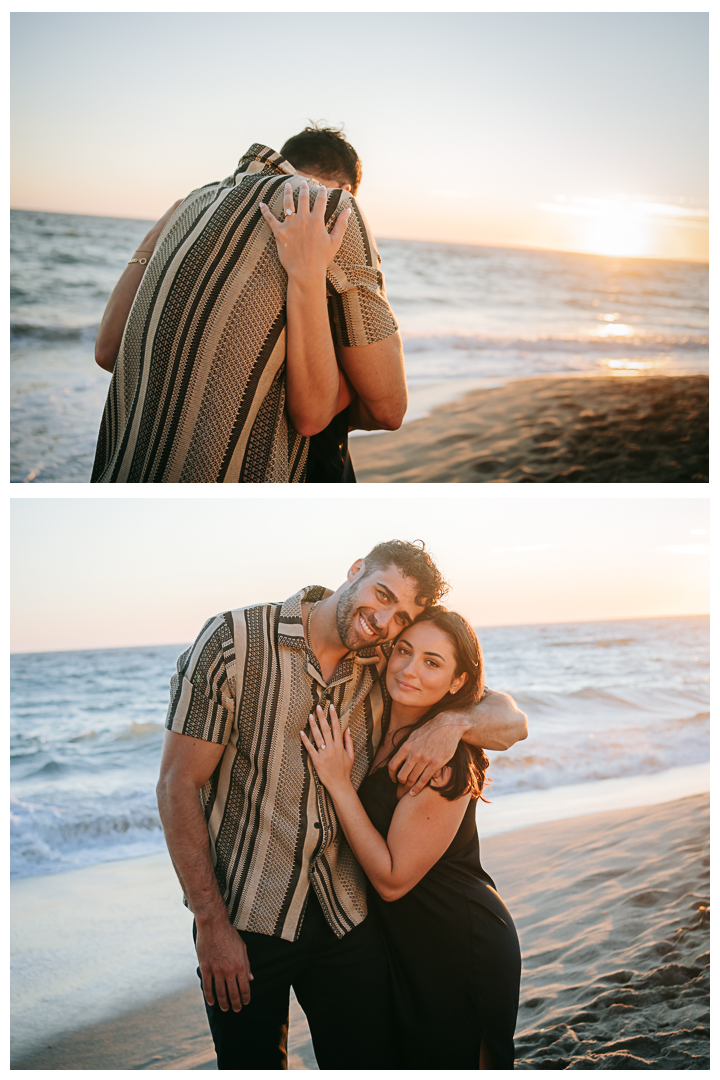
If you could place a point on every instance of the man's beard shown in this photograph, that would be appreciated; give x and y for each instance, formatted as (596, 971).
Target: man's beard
(345, 619)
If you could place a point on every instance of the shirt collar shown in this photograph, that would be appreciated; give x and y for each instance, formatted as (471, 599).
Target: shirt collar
(292, 636)
(261, 159)
(290, 627)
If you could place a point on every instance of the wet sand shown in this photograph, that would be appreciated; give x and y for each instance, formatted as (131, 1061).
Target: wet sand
(637, 429)
(170, 1033)
(612, 910)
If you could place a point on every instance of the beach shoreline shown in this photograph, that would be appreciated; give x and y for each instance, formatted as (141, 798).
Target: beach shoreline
(589, 429)
(470, 316)
(611, 909)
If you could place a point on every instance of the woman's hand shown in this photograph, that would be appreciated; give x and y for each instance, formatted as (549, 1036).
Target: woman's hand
(304, 245)
(333, 754)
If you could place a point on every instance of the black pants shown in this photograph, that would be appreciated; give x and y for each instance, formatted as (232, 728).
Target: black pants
(342, 985)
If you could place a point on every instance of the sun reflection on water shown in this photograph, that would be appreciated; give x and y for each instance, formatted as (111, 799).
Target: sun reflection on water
(623, 365)
(614, 330)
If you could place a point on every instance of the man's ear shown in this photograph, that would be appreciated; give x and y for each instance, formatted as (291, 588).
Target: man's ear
(356, 570)
(346, 187)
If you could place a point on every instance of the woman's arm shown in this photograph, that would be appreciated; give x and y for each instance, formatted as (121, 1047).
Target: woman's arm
(112, 326)
(316, 387)
(421, 828)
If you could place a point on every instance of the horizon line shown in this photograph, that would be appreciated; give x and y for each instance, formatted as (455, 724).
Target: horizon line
(476, 626)
(509, 244)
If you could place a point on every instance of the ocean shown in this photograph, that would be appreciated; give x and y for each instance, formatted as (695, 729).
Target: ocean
(606, 700)
(470, 316)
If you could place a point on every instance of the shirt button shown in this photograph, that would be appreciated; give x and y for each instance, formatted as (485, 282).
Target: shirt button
(317, 824)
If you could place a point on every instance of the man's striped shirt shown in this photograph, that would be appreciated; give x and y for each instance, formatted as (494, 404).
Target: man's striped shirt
(249, 682)
(198, 390)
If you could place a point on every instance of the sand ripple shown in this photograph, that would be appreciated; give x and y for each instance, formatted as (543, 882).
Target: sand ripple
(552, 431)
(614, 925)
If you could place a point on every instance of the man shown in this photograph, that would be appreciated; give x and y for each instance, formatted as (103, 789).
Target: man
(277, 895)
(226, 357)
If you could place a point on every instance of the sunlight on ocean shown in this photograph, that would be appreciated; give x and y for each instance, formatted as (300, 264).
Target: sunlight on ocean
(469, 316)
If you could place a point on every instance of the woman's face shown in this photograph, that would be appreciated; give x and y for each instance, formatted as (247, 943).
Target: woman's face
(421, 669)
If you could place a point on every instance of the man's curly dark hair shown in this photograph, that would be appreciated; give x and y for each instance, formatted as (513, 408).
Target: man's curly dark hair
(413, 561)
(326, 152)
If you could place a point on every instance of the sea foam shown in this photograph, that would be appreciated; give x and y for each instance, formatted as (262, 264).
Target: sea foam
(605, 701)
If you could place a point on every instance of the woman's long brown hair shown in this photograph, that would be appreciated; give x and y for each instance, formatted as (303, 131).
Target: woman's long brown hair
(469, 764)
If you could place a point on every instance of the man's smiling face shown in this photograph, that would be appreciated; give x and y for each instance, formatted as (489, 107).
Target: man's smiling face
(376, 607)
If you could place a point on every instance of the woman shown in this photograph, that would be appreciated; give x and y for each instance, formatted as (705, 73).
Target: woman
(452, 943)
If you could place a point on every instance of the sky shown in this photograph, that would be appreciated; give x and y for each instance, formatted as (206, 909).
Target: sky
(103, 573)
(574, 131)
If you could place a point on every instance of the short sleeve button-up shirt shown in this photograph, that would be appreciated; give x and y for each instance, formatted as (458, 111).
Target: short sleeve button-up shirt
(198, 390)
(249, 682)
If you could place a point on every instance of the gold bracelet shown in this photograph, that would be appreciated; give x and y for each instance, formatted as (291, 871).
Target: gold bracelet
(141, 262)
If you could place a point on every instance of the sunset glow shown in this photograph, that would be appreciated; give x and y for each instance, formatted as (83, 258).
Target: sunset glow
(526, 561)
(548, 117)
(627, 226)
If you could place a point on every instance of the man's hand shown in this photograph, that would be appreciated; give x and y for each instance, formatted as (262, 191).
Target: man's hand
(493, 723)
(224, 965)
(426, 751)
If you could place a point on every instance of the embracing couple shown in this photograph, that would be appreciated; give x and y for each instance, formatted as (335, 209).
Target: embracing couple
(335, 741)
(250, 331)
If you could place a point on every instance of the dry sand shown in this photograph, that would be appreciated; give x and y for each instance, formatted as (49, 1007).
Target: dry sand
(613, 915)
(623, 430)
(612, 911)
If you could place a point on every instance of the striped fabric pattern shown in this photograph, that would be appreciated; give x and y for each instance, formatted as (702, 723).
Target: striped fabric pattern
(249, 683)
(198, 390)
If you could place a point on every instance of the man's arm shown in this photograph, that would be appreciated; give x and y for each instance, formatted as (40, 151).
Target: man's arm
(494, 723)
(112, 326)
(377, 374)
(187, 764)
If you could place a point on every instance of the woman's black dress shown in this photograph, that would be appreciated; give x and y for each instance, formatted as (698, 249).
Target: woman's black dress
(454, 951)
